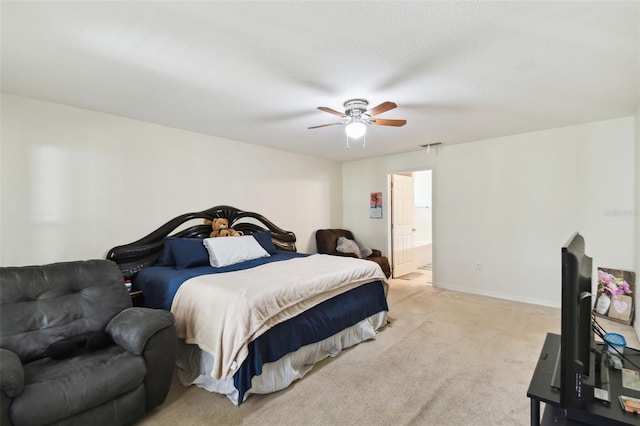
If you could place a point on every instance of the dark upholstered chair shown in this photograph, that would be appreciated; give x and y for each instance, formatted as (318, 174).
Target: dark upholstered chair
(74, 351)
(327, 241)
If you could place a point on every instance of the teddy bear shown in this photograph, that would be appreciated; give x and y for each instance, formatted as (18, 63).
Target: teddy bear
(220, 228)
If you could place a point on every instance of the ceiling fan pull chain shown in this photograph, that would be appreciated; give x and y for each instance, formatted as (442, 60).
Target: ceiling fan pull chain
(364, 140)
(348, 147)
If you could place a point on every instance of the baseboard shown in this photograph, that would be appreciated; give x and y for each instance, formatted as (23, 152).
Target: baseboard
(452, 287)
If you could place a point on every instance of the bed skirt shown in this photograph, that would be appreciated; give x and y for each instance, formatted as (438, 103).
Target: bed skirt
(195, 364)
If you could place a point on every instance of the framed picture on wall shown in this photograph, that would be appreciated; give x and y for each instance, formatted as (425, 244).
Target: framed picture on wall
(375, 205)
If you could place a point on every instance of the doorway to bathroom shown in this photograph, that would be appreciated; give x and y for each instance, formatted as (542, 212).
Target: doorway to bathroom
(411, 231)
(424, 221)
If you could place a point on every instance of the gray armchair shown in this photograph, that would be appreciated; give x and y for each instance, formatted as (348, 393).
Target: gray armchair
(74, 351)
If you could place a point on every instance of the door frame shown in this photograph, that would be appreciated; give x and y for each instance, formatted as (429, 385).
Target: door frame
(433, 217)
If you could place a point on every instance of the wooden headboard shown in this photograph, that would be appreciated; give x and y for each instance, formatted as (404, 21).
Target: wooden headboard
(133, 257)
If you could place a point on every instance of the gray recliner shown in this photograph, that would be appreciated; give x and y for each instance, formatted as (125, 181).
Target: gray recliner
(74, 351)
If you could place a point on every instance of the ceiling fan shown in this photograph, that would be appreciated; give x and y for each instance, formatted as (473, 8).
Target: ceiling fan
(356, 117)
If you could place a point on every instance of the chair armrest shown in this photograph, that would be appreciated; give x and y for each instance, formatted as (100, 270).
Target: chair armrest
(11, 373)
(133, 327)
(339, 253)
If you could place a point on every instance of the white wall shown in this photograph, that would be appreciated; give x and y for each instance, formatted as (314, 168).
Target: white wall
(510, 203)
(360, 178)
(423, 207)
(636, 323)
(76, 183)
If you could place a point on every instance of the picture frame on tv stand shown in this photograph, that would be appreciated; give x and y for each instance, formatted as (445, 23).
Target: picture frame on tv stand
(615, 295)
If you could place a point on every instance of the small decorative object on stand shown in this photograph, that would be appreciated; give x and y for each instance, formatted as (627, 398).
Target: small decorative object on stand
(615, 300)
(136, 295)
(604, 301)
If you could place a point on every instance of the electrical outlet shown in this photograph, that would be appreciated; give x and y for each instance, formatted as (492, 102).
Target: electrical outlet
(478, 266)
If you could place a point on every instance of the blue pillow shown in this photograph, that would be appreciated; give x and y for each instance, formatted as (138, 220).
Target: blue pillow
(184, 252)
(264, 239)
(166, 258)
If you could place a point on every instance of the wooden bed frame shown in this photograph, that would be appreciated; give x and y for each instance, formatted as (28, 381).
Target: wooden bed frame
(133, 257)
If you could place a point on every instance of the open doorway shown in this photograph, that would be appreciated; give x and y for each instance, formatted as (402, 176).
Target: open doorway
(411, 230)
(424, 221)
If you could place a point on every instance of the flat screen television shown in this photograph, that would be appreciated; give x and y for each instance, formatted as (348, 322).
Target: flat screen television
(577, 345)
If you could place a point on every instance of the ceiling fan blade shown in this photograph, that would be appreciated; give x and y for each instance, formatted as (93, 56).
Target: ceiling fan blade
(389, 122)
(323, 125)
(383, 107)
(332, 111)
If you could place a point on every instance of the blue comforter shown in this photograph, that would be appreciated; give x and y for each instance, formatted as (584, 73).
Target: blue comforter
(159, 284)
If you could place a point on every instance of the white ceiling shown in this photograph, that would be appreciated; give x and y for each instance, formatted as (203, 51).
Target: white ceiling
(256, 71)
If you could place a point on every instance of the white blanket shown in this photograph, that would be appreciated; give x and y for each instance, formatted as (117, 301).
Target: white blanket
(222, 313)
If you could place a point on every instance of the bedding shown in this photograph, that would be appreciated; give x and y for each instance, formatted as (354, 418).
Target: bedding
(160, 283)
(260, 376)
(251, 301)
(290, 349)
(296, 308)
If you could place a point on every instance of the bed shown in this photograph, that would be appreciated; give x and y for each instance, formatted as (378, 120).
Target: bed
(253, 323)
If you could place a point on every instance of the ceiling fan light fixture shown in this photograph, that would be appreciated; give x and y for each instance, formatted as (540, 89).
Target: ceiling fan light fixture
(355, 129)
(357, 116)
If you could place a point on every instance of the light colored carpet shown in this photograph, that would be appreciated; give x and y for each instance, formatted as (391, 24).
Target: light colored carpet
(409, 276)
(424, 256)
(446, 358)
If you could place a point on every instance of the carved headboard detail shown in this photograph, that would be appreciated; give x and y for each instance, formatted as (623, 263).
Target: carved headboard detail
(133, 257)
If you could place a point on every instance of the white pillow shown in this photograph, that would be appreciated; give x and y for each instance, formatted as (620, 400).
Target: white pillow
(225, 251)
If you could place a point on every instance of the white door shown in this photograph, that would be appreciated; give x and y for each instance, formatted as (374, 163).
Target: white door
(402, 225)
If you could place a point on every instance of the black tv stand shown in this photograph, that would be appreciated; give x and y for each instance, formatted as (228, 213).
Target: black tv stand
(602, 376)
(596, 412)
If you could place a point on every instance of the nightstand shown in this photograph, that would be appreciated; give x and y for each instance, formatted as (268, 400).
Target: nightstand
(136, 297)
